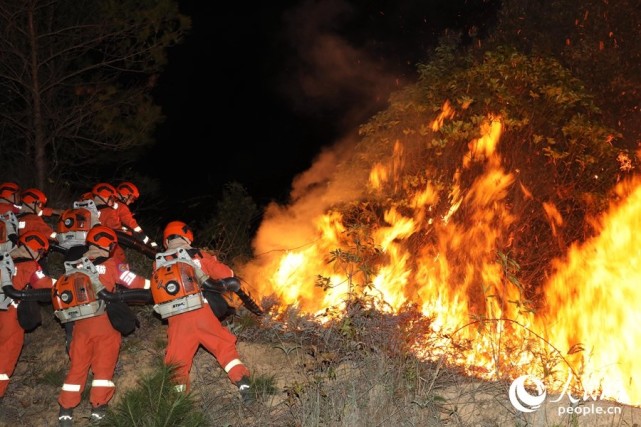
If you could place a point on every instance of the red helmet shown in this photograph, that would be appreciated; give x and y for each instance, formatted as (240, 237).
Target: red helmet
(104, 191)
(34, 240)
(8, 189)
(103, 237)
(128, 189)
(33, 195)
(178, 228)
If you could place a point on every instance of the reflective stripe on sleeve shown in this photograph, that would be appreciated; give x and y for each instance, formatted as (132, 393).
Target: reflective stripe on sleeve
(127, 277)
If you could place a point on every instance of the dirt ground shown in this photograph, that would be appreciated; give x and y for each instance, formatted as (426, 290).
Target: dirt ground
(31, 398)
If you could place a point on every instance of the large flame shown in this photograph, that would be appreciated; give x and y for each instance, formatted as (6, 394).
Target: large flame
(460, 274)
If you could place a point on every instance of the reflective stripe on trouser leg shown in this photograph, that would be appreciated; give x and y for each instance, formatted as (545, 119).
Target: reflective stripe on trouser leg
(74, 388)
(102, 391)
(236, 370)
(4, 383)
(232, 364)
(69, 396)
(102, 383)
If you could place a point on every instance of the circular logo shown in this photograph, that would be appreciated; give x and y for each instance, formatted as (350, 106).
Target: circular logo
(521, 399)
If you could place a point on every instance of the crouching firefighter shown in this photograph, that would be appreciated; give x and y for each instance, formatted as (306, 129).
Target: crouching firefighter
(180, 276)
(23, 285)
(86, 294)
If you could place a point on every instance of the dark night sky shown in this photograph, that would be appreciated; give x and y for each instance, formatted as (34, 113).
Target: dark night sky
(266, 86)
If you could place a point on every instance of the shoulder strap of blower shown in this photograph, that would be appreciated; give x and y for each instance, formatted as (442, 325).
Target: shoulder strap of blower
(6, 272)
(89, 205)
(8, 231)
(173, 256)
(85, 266)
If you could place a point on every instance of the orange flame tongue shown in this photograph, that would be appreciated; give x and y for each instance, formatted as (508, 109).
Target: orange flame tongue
(594, 302)
(456, 271)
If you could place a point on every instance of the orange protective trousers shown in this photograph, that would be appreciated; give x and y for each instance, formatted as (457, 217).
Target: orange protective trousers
(12, 339)
(187, 331)
(95, 346)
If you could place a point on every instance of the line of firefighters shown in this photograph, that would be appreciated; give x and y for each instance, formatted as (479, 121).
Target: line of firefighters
(91, 298)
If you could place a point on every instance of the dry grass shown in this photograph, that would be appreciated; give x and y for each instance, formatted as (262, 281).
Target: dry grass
(356, 373)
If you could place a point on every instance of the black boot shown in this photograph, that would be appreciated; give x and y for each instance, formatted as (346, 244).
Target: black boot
(65, 417)
(246, 391)
(98, 412)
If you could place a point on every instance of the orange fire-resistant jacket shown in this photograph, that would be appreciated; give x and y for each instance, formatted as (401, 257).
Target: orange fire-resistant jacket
(127, 218)
(27, 272)
(95, 345)
(186, 331)
(33, 222)
(108, 216)
(9, 207)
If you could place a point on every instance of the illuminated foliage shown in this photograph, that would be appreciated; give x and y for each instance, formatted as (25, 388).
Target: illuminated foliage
(555, 141)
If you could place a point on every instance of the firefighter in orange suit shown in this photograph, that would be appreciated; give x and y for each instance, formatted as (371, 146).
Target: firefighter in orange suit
(10, 200)
(187, 331)
(26, 273)
(127, 194)
(104, 196)
(95, 344)
(9, 208)
(31, 213)
(9, 197)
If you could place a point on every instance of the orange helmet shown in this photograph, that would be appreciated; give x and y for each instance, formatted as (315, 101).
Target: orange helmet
(104, 191)
(33, 195)
(8, 189)
(128, 189)
(34, 240)
(103, 237)
(179, 229)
